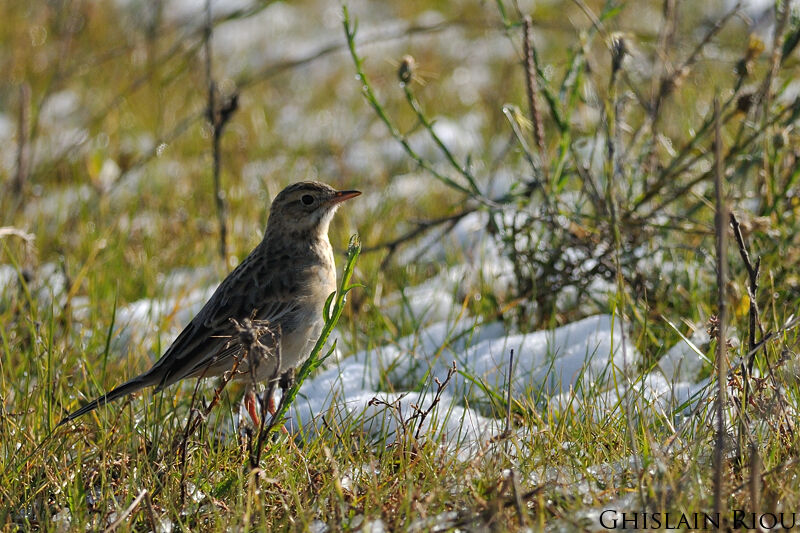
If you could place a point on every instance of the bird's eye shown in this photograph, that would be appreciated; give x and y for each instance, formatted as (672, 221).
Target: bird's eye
(307, 199)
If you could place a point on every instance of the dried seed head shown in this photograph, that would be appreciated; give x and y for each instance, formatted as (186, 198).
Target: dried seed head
(405, 72)
(744, 66)
(619, 49)
(780, 139)
(745, 102)
(755, 47)
(713, 326)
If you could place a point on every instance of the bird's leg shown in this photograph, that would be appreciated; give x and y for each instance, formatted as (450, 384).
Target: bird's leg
(270, 399)
(251, 403)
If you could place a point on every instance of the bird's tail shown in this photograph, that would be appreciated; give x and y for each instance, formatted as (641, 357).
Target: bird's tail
(129, 387)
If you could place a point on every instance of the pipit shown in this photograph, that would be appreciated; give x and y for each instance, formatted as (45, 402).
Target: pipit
(282, 284)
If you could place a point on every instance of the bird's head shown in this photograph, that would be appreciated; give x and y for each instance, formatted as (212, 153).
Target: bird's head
(306, 207)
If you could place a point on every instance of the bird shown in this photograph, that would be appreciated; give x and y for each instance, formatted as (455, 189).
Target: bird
(282, 285)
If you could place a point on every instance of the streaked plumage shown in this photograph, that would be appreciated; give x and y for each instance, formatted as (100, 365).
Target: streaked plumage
(284, 281)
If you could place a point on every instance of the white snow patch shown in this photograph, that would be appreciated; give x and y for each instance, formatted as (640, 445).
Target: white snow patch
(144, 322)
(548, 362)
(682, 361)
(8, 144)
(8, 278)
(470, 237)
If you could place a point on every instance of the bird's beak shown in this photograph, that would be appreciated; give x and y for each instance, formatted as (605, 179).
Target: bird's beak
(341, 196)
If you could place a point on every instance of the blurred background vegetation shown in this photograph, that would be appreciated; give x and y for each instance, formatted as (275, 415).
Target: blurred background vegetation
(580, 162)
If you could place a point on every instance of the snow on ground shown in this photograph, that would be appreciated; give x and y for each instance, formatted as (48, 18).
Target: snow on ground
(7, 145)
(377, 390)
(561, 366)
(553, 361)
(146, 324)
(584, 368)
(47, 284)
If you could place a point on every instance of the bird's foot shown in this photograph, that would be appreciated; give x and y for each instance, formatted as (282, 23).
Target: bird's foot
(253, 405)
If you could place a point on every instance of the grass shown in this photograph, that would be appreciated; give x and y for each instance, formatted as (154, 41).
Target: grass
(612, 212)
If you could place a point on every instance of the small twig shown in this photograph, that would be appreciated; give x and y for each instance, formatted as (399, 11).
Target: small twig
(422, 227)
(670, 82)
(421, 415)
(418, 415)
(764, 96)
(722, 276)
(753, 272)
(397, 408)
(471, 189)
(747, 363)
(755, 477)
(763, 99)
(596, 23)
(774, 335)
(667, 84)
(426, 122)
(755, 323)
(151, 513)
(612, 117)
(247, 79)
(509, 383)
(219, 113)
(127, 512)
(532, 87)
(674, 168)
(518, 503)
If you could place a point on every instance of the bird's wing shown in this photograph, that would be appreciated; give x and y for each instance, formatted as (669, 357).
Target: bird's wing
(255, 289)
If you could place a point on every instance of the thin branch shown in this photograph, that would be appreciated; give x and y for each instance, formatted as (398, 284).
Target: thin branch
(509, 385)
(669, 83)
(422, 227)
(667, 177)
(366, 88)
(151, 513)
(519, 505)
(532, 87)
(246, 80)
(753, 272)
(764, 95)
(420, 415)
(462, 169)
(219, 113)
(722, 276)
